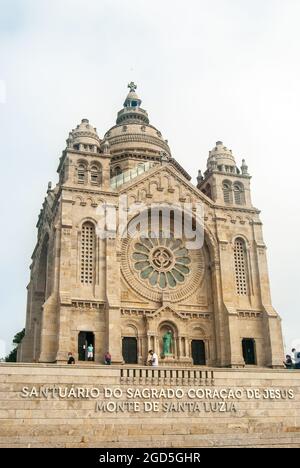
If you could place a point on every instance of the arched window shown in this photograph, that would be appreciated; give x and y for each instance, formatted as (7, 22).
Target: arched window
(81, 174)
(95, 175)
(117, 170)
(240, 267)
(227, 192)
(239, 193)
(87, 254)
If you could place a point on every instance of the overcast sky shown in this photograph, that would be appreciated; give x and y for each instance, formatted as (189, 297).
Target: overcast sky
(206, 70)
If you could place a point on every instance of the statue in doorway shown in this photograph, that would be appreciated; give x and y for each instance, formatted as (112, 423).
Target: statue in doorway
(167, 343)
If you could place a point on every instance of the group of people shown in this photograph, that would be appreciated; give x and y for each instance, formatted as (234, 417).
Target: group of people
(292, 362)
(90, 356)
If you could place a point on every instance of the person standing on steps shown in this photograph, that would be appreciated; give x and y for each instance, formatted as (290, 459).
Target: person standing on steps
(90, 351)
(154, 359)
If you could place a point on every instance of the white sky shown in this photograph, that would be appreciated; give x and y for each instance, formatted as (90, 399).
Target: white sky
(206, 70)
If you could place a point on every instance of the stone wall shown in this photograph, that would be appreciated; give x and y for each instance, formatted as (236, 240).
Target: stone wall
(240, 408)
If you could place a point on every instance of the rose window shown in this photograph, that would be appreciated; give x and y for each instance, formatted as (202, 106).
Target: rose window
(162, 262)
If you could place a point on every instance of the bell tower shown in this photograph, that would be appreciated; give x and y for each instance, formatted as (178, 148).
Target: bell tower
(223, 181)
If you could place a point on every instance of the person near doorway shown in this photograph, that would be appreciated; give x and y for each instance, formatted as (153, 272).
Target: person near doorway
(288, 363)
(154, 359)
(71, 359)
(90, 352)
(149, 358)
(296, 356)
(107, 358)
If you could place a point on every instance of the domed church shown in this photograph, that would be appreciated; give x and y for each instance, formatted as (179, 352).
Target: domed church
(125, 294)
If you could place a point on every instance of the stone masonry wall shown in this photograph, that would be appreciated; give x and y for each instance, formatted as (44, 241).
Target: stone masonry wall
(262, 410)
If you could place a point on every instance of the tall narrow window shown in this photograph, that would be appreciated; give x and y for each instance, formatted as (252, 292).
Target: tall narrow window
(81, 174)
(227, 192)
(87, 265)
(239, 194)
(240, 267)
(95, 175)
(117, 171)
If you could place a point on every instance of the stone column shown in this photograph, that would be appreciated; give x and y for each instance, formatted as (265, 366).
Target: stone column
(113, 313)
(105, 162)
(140, 349)
(179, 347)
(274, 351)
(230, 340)
(60, 269)
(187, 347)
(175, 348)
(219, 319)
(156, 344)
(148, 342)
(64, 280)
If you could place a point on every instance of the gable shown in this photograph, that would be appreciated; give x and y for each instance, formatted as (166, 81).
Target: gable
(163, 184)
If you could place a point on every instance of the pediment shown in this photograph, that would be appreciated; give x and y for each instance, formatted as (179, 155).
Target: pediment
(163, 184)
(167, 312)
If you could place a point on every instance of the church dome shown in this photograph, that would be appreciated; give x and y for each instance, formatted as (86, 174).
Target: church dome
(220, 156)
(133, 131)
(84, 134)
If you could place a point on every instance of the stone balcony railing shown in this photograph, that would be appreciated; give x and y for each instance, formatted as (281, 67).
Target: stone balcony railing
(166, 376)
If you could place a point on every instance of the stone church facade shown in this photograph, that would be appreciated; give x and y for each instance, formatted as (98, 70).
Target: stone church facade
(123, 293)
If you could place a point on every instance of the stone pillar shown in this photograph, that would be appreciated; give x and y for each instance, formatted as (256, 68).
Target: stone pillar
(219, 318)
(113, 312)
(61, 338)
(274, 350)
(175, 348)
(105, 162)
(64, 337)
(60, 247)
(140, 349)
(156, 344)
(230, 340)
(179, 347)
(187, 347)
(148, 343)
(235, 344)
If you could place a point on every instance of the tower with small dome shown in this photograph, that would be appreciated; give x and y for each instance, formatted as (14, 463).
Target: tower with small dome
(223, 181)
(122, 294)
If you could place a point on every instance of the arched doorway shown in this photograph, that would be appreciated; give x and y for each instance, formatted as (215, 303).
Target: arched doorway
(198, 353)
(199, 345)
(85, 339)
(129, 350)
(248, 345)
(130, 343)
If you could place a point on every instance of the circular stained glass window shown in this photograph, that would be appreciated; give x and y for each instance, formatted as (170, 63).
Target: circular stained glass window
(162, 262)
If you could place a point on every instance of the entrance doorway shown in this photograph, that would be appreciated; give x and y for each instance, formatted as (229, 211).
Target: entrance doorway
(84, 340)
(129, 350)
(248, 345)
(198, 353)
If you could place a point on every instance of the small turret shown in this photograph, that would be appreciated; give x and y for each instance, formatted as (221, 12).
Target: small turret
(223, 181)
(84, 137)
(244, 167)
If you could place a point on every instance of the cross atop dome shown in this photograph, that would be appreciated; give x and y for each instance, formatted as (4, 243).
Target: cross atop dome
(132, 100)
(132, 86)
